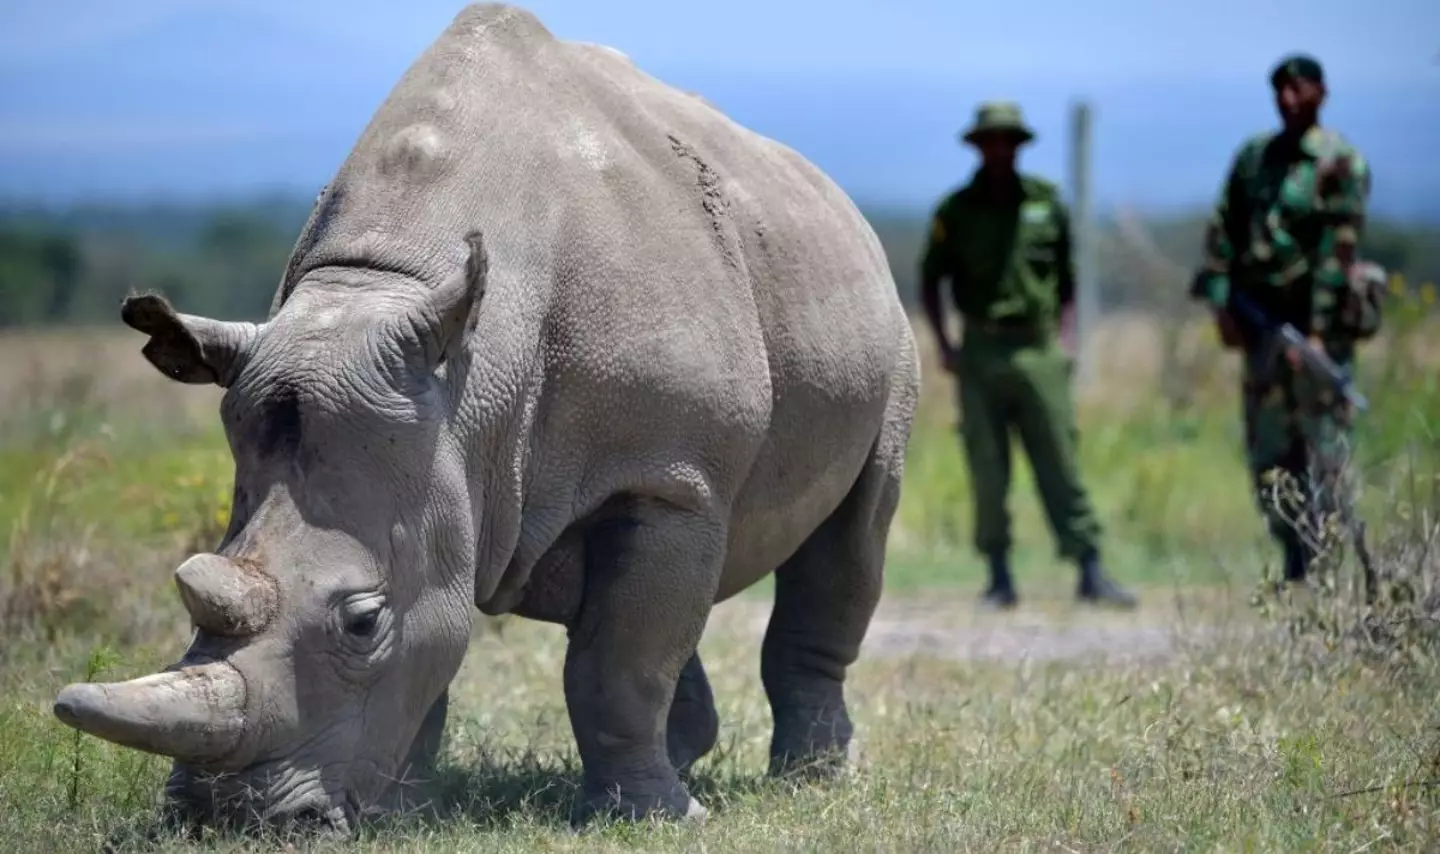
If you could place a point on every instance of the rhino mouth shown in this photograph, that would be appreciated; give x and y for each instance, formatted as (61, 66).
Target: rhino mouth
(263, 798)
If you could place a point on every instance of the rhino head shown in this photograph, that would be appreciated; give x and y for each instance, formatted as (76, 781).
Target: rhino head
(338, 605)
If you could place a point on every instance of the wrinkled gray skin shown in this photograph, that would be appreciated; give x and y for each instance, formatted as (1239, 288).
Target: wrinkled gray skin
(674, 363)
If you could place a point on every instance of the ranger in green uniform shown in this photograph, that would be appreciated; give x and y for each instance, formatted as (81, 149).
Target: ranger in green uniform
(1003, 241)
(1284, 233)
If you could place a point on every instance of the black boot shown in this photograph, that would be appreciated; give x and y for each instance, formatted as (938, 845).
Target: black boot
(1001, 593)
(1297, 559)
(1098, 588)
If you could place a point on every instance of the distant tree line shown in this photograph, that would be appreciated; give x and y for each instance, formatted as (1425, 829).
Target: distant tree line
(75, 265)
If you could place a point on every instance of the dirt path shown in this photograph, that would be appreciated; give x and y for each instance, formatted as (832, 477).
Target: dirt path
(953, 628)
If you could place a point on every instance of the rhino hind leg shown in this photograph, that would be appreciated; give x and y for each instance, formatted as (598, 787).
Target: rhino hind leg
(693, 725)
(651, 571)
(825, 596)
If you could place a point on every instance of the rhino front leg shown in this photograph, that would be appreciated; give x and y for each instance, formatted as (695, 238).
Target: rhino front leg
(693, 726)
(825, 596)
(425, 750)
(651, 575)
(410, 790)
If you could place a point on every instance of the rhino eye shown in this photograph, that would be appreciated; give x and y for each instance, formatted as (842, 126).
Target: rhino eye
(362, 615)
(362, 625)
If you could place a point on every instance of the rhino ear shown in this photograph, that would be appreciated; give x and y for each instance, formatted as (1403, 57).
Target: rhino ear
(453, 307)
(187, 348)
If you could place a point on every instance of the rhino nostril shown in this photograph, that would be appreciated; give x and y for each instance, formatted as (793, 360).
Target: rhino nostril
(65, 711)
(307, 819)
(323, 817)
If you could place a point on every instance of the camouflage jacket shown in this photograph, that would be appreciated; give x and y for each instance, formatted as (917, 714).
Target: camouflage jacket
(1007, 259)
(1285, 230)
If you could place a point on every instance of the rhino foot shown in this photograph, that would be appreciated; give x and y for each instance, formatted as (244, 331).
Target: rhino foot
(810, 744)
(673, 803)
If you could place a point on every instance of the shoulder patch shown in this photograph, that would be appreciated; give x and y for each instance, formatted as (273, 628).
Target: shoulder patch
(937, 230)
(1036, 211)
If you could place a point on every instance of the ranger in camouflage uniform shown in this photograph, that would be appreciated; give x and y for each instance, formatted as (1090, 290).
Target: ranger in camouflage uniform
(1284, 232)
(1003, 240)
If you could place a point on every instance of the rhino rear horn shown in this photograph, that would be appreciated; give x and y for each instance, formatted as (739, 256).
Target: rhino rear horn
(187, 348)
(224, 598)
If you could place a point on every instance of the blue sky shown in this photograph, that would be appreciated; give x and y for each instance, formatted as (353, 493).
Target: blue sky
(181, 97)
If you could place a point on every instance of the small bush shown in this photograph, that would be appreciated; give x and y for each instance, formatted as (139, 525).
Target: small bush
(1395, 624)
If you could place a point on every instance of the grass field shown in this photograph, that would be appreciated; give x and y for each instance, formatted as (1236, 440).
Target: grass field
(1202, 722)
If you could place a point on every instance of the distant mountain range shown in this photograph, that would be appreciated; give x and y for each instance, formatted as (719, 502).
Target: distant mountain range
(222, 102)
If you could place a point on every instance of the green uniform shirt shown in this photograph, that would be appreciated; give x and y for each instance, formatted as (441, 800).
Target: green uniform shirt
(1008, 258)
(1286, 224)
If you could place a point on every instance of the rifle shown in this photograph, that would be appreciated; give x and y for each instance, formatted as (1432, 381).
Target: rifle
(1285, 336)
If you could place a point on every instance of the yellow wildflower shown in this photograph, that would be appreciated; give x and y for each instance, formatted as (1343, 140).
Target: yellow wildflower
(1397, 284)
(1427, 293)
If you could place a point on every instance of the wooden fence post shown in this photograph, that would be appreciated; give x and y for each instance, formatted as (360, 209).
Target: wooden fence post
(1087, 285)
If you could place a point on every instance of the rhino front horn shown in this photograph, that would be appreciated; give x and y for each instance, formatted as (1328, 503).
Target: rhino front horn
(194, 714)
(224, 598)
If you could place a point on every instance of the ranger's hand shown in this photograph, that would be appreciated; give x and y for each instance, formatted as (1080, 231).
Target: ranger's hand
(1367, 277)
(1294, 355)
(949, 360)
(1067, 330)
(1229, 331)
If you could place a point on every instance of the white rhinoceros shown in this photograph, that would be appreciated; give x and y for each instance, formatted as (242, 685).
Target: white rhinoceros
(675, 363)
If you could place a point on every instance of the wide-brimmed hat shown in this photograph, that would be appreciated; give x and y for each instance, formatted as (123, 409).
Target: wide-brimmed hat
(1300, 66)
(998, 117)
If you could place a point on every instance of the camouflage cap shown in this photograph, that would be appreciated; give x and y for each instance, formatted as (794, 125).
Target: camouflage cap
(1003, 117)
(1297, 66)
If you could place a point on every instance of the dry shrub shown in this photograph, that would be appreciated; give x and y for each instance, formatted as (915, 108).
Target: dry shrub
(1400, 624)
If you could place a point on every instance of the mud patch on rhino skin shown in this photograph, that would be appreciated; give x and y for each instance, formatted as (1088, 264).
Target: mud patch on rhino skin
(252, 565)
(710, 196)
(281, 424)
(712, 200)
